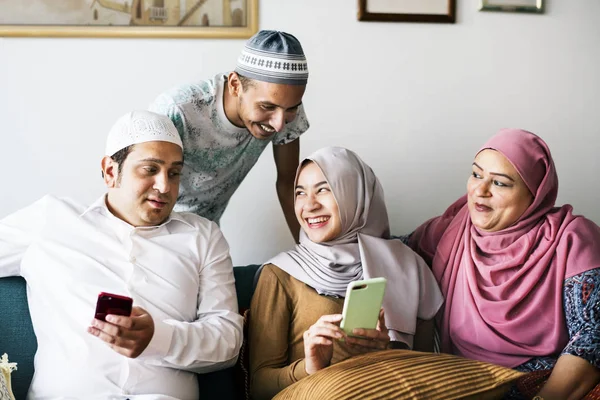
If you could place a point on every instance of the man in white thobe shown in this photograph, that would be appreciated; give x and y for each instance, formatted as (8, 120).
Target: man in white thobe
(175, 266)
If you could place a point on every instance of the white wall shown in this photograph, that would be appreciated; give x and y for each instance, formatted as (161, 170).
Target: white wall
(414, 100)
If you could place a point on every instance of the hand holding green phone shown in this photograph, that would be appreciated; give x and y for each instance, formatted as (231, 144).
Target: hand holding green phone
(362, 304)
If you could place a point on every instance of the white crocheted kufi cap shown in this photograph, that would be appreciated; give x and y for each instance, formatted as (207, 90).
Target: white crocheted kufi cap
(139, 127)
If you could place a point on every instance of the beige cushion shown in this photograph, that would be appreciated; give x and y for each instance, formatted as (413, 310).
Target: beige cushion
(5, 369)
(404, 374)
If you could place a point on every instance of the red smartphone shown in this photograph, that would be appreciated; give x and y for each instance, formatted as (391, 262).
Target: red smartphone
(115, 304)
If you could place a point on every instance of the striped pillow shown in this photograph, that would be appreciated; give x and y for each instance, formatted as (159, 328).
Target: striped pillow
(404, 374)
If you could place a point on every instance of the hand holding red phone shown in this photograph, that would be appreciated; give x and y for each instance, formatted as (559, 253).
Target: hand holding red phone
(128, 336)
(128, 330)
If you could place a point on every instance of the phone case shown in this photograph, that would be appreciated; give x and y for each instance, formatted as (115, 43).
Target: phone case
(115, 304)
(362, 304)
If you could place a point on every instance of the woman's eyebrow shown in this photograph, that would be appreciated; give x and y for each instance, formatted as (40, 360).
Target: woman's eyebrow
(504, 175)
(495, 173)
(315, 185)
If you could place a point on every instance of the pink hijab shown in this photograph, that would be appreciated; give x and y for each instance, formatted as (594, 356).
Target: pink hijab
(504, 289)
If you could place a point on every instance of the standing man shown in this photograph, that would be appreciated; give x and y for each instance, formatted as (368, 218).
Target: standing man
(176, 268)
(226, 122)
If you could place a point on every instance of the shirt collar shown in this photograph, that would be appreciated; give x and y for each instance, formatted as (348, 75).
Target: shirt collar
(100, 205)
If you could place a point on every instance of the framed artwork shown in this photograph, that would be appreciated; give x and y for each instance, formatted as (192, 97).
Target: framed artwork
(532, 6)
(443, 11)
(130, 18)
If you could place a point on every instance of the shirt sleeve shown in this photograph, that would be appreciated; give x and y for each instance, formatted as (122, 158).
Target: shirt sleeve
(268, 329)
(165, 105)
(17, 232)
(293, 130)
(213, 340)
(582, 313)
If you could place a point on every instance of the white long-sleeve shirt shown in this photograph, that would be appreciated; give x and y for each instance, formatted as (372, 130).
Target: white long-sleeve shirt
(180, 272)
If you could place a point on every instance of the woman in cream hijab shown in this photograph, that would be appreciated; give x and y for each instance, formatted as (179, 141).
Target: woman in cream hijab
(295, 311)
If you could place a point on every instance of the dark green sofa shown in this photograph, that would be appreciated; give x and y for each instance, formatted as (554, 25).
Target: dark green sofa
(18, 340)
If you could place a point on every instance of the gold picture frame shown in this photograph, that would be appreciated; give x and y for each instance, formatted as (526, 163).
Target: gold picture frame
(147, 19)
(526, 6)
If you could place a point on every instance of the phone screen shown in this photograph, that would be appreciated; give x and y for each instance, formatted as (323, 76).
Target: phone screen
(115, 304)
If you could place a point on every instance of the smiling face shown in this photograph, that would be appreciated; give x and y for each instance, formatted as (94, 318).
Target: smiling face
(315, 206)
(144, 192)
(497, 195)
(261, 107)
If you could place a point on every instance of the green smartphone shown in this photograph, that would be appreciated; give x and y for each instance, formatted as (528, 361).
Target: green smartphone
(362, 304)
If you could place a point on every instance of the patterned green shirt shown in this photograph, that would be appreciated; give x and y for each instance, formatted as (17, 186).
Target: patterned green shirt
(217, 154)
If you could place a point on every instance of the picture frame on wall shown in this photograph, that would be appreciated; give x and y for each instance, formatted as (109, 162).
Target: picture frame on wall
(441, 11)
(130, 18)
(527, 6)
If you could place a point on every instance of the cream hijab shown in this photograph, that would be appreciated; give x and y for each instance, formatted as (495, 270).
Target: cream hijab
(363, 249)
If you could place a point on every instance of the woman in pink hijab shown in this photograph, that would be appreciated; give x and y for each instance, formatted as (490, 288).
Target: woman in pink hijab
(520, 276)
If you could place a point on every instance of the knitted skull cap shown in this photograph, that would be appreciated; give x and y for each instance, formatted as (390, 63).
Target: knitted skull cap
(275, 57)
(138, 127)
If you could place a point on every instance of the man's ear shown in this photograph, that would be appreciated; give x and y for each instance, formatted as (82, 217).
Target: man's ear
(110, 172)
(234, 85)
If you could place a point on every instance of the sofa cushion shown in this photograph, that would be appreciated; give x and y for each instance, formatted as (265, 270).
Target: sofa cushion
(244, 284)
(17, 338)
